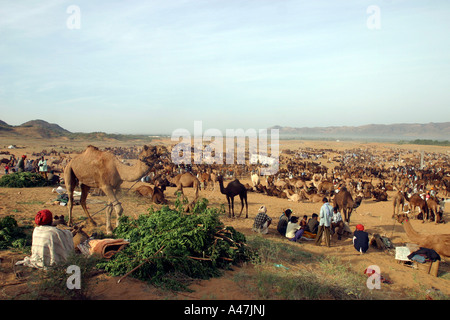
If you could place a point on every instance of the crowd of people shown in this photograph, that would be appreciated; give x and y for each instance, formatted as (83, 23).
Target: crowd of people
(320, 227)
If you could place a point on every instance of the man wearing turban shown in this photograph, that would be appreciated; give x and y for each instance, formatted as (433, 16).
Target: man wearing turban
(360, 239)
(50, 245)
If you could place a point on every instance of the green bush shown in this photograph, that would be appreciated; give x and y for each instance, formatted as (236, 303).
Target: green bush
(23, 180)
(195, 246)
(11, 235)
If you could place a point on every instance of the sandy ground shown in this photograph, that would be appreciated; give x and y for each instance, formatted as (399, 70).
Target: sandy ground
(375, 216)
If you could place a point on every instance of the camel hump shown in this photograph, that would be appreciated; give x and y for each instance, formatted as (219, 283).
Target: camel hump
(91, 147)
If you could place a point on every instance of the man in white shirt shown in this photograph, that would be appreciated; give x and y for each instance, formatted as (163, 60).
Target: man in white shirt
(42, 164)
(326, 212)
(337, 222)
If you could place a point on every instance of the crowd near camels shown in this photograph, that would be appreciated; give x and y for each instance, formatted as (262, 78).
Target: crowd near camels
(417, 184)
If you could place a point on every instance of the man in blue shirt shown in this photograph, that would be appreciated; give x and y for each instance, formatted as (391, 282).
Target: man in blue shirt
(326, 212)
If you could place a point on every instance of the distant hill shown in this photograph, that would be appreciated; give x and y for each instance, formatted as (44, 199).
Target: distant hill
(372, 132)
(391, 132)
(45, 130)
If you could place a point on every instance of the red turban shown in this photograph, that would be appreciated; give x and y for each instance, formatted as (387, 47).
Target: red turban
(360, 227)
(43, 218)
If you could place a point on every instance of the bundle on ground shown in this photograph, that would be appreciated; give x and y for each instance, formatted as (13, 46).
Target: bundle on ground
(169, 248)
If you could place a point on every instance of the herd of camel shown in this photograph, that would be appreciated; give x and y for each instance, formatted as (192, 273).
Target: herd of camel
(299, 178)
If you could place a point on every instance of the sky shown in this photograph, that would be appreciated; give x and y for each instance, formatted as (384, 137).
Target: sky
(150, 67)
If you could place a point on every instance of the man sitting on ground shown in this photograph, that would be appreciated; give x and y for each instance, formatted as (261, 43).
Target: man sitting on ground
(50, 245)
(262, 221)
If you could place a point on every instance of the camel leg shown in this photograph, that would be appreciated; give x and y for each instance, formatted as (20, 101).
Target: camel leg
(70, 182)
(108, 218)
(70, 205)
(232, 205)
(229, 207)
(114, 202)
(196, 191)
(246, 207)
(242, 205)
(84, 194)
(180, 188)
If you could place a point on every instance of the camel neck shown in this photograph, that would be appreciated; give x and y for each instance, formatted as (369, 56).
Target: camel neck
(410, 232)
(132, 173)
(222, 189)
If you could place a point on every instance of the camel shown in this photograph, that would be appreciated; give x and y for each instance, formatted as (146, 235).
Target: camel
(255, 178)
(212, 180)
(416, 201)
(380, 195)
(233, 189)
(326, 187)
(313, 197)
(294, 197)
(300, 184)
(399, 200)
(438, 242)
(343, 200)
(433, 208)
(205, 179)
(316, 180)
(186, 180)
(101, 169)
(158, 195)
(144, 191)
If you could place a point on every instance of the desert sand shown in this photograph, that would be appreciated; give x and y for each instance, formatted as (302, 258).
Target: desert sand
(375, 216)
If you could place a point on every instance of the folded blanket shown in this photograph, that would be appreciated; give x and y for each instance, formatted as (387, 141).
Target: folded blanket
(106, 248)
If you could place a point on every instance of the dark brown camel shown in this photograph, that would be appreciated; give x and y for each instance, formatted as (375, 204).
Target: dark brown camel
(233, 189)
(416, 201)
(344, 201)
(158, 195)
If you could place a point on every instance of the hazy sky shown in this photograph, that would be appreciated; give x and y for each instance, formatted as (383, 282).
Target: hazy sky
(154, 66)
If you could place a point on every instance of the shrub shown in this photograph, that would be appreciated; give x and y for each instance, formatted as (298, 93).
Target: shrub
(195, 246)
(23, 180)
(11, 235)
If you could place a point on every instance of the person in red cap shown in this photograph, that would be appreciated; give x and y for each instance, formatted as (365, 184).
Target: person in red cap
(43, 218)
(360, 239)
(50, 245)
(21, 164)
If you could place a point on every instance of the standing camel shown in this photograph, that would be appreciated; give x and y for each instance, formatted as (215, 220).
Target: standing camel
(416, 201)
(100, 169)
(233, 189)
(344, 201)
(186, 180)
(399, 201)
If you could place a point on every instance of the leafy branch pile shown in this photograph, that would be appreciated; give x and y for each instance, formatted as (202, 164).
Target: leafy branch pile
(23, 180)
(11, 235)
(169, 248)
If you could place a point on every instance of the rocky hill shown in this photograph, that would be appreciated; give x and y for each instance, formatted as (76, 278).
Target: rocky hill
(41, 129)
(391, 132)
